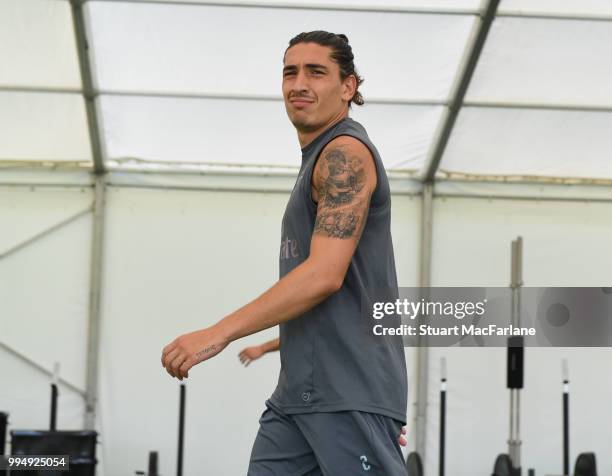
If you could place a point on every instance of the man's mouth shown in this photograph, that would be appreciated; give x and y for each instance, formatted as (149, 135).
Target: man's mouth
(300, 103)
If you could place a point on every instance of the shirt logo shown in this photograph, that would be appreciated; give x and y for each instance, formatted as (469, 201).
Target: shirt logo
(289, 249)
(364, 461)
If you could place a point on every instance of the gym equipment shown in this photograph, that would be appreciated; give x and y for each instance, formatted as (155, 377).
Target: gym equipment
(181, 432)
(586, 465)
(510, 464)
(565, 372)
(53, 420)
(516, 358)
(3, 425)
(152, 470)
(54, 396)
(442, 416)
(414, 465)
(80, 446)
(503, 466)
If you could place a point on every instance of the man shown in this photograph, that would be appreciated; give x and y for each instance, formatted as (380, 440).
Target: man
(341, 397)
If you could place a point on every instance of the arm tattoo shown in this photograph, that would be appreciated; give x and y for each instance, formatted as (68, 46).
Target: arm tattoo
(342, 210)
(336, 224)
(205, 351)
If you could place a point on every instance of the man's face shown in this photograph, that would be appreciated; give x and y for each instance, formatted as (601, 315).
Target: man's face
(313, 92)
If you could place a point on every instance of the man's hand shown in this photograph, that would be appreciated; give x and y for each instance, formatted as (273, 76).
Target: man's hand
(250, 354)
(190, 349)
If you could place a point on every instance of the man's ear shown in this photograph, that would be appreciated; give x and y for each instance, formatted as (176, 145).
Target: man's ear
(349, 86)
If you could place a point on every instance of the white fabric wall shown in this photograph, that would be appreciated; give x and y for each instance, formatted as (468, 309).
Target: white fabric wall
(175, 262)
(44, 290)
(565, 244)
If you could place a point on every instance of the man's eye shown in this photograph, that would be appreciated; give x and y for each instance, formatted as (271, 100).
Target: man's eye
(317, 72)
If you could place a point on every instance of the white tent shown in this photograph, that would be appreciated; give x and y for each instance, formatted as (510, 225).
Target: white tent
(145, 159)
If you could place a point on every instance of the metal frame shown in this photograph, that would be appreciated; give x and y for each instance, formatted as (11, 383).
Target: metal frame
(305, 5)
(301, 6)
(422, 363)
(40, 368)
(47, 231)
(94, 125)
(476, 41)
(93, 333)
(465, 74)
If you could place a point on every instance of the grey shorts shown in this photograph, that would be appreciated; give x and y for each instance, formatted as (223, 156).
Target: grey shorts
(330, 444)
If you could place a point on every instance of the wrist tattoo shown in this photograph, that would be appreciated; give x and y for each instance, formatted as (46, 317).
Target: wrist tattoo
(206, 351)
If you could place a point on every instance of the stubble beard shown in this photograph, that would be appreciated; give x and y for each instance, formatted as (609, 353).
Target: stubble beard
(304, 124)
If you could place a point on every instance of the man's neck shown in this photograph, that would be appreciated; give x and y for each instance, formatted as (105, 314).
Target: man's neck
(306, 138)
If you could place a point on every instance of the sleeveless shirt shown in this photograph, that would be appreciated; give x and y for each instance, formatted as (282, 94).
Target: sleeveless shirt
(328, 362)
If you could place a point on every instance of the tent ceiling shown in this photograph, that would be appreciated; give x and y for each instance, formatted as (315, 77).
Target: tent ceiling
(191, 81)
(37, 45)
(538, 61)
(522, 142)
(557, 7)
(43, 127)
(139, 48)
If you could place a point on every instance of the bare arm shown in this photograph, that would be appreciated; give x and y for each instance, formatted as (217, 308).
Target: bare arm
(249, 354)
(343, 181)
(270, 346)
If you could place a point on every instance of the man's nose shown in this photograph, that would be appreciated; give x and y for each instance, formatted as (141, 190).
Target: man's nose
(300, 85)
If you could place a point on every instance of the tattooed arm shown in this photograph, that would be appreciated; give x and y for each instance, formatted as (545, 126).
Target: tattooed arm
(342, 184)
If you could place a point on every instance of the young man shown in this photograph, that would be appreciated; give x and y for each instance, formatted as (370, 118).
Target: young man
(339, 404)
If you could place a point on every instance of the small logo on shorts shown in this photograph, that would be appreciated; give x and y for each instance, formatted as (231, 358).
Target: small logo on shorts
(364, 461)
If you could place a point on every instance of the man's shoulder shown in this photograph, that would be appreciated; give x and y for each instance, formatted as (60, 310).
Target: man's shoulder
(348, 144)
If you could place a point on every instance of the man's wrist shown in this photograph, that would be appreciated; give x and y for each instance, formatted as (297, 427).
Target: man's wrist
(225, 330)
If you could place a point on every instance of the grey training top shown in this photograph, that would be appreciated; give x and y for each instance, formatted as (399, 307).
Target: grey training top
(329, 359)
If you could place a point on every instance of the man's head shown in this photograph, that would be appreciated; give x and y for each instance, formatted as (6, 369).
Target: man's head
(319, 79)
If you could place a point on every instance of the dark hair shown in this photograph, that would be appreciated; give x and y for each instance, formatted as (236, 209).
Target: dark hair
(342, 54)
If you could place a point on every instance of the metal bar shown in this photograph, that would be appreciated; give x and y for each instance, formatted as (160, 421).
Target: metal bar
(495, 104)
(516, 281)
(53, 418)
(283, 189)
(95, 128)
(44, 233)
(539, 106)
(442, 454)
(93, 334)
(304, 6)
(181, 432)
(422, 370)
(566, 450)
(355, 8)
(59, 185)
(554, 16)
(212, 188)
(453, 176)
(39, 89)
(258, 97)
(41, 369)
(528, 198)
(89, 93)
(466, 72)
